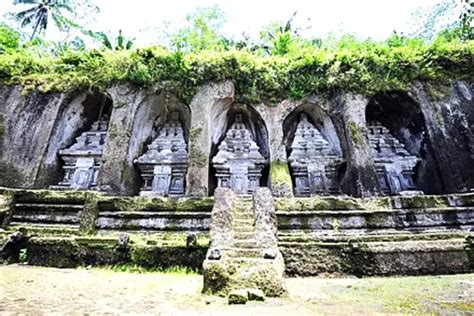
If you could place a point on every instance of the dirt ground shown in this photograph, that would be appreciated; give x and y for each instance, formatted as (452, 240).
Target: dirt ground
(30, 290)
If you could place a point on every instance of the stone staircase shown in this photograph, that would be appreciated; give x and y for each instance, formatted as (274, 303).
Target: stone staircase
(237, 257)
(244, 245)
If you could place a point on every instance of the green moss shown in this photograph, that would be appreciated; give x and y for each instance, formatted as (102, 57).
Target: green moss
(437, 91)
(50, 196)
(2, 126)
(423, 201)
(112, 131)
(317, 203)
(196, 157)
(135, 204)
(280, 174)
(89, 213)
(361, 67)
(355, 133)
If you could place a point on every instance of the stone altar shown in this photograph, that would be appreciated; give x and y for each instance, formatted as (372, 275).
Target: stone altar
(238, 162)
(313, 162)
(393, 163)
(164, 165)
(83, 159)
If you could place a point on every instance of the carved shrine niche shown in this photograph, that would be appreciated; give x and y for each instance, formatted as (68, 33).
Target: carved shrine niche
(238, 162)
(83, 159)
(163, 167)
(395, 166)
(313, 162)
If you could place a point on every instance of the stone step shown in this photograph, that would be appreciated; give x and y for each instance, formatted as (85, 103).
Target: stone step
(46, 218)
(243, 229)
(245, 243)
(409, 232)
(399, 236)
(244, 253)
(245, 221)
(60, 228)
(242, 215)
(141, 214)
(244, 235)
(40, 207)
(361, 212)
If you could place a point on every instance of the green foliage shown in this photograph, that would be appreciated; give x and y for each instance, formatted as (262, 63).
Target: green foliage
(9, 39)
(364, 67)
(466, 18)
(202, 31)
(120, 43)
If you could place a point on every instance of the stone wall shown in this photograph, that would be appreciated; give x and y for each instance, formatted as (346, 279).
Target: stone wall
(34, 127)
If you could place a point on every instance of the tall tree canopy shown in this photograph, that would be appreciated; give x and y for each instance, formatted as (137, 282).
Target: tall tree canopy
(39, 13)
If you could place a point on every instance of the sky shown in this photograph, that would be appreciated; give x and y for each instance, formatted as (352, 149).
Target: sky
(145, 20)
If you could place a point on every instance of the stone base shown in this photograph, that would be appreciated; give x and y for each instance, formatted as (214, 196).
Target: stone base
(156, 194)
(411, 193)
(225, 275)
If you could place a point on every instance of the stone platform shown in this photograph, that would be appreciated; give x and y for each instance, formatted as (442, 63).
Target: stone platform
(324, 235)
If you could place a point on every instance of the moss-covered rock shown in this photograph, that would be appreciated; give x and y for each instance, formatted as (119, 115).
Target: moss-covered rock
(223, 276)
(281, 179)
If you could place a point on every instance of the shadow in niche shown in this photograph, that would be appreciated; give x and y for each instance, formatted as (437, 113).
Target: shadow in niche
(315, 157)
(96, 107)
(402, 116)
(255, 124)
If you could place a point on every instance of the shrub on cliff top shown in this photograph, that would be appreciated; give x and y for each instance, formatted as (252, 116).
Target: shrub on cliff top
(364, 67)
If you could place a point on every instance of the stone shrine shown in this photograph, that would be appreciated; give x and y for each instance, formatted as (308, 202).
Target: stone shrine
(163, 167)
(393, 163)
(238, 162)
(312, 161)
(83, 159)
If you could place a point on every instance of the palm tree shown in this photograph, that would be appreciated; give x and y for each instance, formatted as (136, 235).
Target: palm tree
(40, 11)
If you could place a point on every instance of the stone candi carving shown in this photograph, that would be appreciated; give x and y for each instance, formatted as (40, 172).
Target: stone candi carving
(83, 159)
(312, 161)
(164, 166)
(238, 162)
(393, 163)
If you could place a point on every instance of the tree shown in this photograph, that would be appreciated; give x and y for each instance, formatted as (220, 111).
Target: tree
(39, 13)
(107, 42)
(9, 39)
(280, 38)
(202, 31)
(466, 18)
(452, 16)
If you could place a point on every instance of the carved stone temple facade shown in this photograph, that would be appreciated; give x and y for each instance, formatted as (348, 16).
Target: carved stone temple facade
(313, 162)
(219, 142)
(83, 159)
(393, 163)
(163, 167)
(238, 162)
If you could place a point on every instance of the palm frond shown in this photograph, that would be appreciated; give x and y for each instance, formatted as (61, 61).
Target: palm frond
(15, 2)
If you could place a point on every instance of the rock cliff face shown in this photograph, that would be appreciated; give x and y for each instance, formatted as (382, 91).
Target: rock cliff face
(434, 123)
